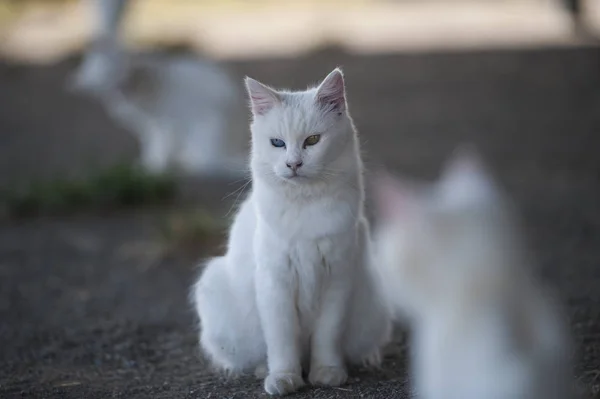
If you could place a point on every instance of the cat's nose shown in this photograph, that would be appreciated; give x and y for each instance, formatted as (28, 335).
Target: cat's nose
(294, 165)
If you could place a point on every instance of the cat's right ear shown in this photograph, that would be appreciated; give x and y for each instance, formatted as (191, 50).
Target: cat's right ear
(262, 97)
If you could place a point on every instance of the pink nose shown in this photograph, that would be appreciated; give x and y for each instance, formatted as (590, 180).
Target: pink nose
(294, 166)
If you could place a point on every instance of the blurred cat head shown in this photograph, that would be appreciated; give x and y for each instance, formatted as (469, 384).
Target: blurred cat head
(438, 243)
(102, 69)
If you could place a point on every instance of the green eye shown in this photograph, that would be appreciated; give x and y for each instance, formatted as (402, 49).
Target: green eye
(312, 140)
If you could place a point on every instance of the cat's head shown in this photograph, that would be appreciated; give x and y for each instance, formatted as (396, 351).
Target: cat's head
(301, 137)
(436, 243)
(102, 68)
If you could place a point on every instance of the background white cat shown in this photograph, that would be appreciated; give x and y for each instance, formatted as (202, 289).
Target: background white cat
(452, 260)
(186, 112)
(295, 288)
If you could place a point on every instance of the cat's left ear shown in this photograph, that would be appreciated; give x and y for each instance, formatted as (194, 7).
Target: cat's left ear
(331, 93)
(464, 160)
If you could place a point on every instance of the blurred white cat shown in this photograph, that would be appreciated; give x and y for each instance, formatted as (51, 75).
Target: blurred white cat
(186, 112)
(452, 261)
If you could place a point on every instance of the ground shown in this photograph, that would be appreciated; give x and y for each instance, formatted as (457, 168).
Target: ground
(81, 316)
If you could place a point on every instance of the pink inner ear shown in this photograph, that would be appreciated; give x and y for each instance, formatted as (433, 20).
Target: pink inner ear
(331, 93)
(262, 98)
(261, 104)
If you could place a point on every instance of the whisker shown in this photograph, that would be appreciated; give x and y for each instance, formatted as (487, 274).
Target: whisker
(247, 180)
(239, 192)
(243, 179)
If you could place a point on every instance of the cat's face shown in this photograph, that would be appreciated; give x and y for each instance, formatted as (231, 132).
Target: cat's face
(300, 137)
(428, 241)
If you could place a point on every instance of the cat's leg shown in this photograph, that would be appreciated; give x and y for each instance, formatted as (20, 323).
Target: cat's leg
(203, 146)
(327, 364)
(156, 140)
(279, 320)
(156, 148)
(230, 334)
(369, 325)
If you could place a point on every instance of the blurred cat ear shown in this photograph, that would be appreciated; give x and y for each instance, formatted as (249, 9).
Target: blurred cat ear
(465, 175)
(465, 160)
(331, 93)
(262, 97)
(393, 199)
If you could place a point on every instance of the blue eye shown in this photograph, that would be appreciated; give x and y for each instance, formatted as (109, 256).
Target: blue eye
(277, 143)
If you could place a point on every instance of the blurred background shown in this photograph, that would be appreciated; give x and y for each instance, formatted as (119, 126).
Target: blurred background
(46, 31)
(123, 141)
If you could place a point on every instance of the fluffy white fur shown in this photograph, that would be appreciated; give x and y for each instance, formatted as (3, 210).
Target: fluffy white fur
(453, 262)
(294, 290)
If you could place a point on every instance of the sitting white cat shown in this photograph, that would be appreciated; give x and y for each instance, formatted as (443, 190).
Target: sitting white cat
(295, 289)
(452, 261)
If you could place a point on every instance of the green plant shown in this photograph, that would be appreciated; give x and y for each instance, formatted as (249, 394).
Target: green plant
(119, 186)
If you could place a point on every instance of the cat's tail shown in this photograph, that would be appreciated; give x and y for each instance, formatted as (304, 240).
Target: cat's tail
(230, 332)
(109, 14)
(210, 277)
(99, 63)
(207, 296)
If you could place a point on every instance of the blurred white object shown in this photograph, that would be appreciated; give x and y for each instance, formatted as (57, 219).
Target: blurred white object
(452, 260)
(186, 112)
(96, 68)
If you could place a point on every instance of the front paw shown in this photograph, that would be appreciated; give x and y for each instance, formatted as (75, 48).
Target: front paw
(283, 383)
(328, 375)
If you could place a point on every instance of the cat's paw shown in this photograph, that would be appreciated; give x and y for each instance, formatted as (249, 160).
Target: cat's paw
(328, 375)
(283, 383)
(373, 360)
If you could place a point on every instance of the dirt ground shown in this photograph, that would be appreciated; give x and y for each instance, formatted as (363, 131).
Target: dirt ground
(79, 319)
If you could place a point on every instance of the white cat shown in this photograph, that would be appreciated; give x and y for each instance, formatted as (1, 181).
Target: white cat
(452, 261)
(294, 289)
(186, 112)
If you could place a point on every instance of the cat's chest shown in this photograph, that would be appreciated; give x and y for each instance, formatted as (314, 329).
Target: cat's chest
(311, 258)
(314, 264)
(310, 220)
